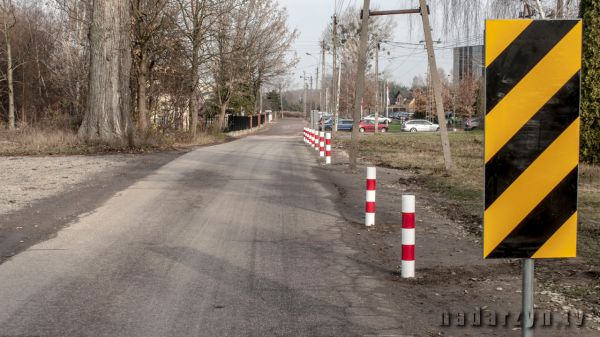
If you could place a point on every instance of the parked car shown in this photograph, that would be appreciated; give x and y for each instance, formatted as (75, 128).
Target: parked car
(396, 115)
(382, 119)
(327, 125)
(345, 125)
(369, 126)
(473, 123)
(401, 115)
(419, 125)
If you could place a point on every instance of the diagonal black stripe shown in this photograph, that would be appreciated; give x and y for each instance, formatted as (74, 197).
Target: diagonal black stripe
(527, 50)
(531, 140)
(539, 225)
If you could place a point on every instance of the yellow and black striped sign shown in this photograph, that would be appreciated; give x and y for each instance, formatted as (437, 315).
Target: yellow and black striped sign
(531, 138)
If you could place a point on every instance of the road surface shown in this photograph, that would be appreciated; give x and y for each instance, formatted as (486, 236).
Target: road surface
(239, 239)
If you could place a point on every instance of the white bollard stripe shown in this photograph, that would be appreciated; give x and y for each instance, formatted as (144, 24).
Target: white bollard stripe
(408, 236)
(408, 204)
(408, 269)
(371, 173)
(327, 147)
(370, 219)
(371, 196)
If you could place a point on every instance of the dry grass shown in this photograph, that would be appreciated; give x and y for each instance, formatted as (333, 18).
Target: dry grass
(39, 141)
(53, 141)
(420, 153)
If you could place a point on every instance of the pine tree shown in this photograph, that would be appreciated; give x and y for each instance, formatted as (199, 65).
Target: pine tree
(590, 85)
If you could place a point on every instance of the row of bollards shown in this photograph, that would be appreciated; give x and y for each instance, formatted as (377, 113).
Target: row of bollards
(320, 141)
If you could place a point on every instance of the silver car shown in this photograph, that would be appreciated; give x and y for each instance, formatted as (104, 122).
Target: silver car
(382, 119)
(419, 125)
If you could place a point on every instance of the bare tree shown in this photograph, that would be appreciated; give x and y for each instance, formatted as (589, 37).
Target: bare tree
(149, 19)
(196, 18)
(8, 16)
(107, 117)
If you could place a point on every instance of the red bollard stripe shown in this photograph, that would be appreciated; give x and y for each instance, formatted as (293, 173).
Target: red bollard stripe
(408, 252)
(370, 207)
(408, 220)
(328, 153)
(371, 184)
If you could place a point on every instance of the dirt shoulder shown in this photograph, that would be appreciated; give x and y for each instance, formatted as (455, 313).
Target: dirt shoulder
(451, 273)
(42, 195)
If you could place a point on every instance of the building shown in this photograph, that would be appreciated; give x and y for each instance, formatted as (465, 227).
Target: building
(468, 61)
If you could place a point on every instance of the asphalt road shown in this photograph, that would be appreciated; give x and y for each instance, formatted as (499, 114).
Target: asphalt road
(239, 239)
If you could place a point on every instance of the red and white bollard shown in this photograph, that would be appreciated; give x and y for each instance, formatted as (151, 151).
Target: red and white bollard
(370, 204)
(316, 140)
(408, 236)
(321, 144)
(312, 138)
(328, 148)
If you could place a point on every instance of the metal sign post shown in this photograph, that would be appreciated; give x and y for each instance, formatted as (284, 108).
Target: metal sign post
(527, 299)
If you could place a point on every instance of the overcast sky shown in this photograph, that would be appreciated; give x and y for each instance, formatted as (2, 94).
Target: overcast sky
(311, 17)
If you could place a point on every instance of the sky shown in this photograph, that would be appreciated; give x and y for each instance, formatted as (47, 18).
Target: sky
(311, 17)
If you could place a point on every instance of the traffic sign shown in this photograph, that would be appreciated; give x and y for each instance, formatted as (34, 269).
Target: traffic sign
(531, 138)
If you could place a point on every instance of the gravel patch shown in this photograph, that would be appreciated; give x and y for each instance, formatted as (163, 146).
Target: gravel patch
(27, 179)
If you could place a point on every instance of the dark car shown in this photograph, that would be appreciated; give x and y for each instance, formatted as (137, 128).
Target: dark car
(473, 123)
(345, 125)
(397, 115)
(327, 125)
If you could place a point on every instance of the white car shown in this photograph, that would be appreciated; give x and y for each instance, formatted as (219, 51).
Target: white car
(382, 119)
(419, 125)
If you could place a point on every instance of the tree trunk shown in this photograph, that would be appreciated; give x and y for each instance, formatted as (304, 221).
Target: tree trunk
(194, 92)
(107, 119)
(9, 73)
(142, 99)
(222, 113)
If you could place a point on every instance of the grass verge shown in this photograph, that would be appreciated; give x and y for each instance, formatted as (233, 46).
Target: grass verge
(51, 141)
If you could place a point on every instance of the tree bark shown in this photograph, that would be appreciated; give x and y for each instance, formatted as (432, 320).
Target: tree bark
(194, 92)
(222, 113)
(107, 119)
(9, 67)
(142, 99)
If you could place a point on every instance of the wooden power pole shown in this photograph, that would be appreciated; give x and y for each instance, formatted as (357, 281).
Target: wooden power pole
(323, 99)
(333, 77)
(376, 86)
(437, 87)
(437, 84)
(360, 83)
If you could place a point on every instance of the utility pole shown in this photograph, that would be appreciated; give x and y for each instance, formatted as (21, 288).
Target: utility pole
(337, 95)
(312, 101)
(387, 99)
(324, 101)
(317, 86)
(437, 87)
(281, 101)
(377, 86)
(360, 83)
(304, 100)
(334, 91)
(424, 11)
